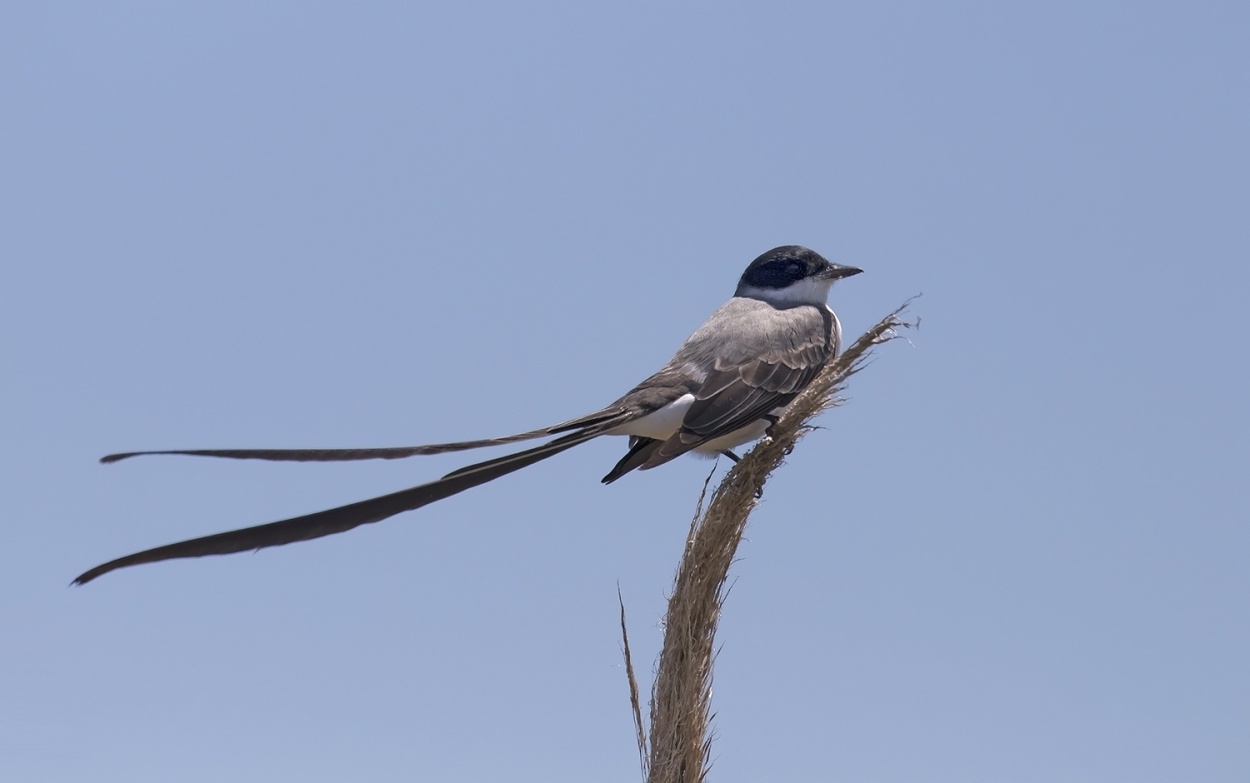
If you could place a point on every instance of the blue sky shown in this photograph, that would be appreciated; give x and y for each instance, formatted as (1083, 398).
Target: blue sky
(1020, 552)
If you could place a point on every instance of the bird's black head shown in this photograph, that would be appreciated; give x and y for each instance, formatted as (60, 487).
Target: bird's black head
(786, 266)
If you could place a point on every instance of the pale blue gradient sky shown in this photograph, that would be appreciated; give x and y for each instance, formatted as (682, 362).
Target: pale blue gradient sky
(1021, 552)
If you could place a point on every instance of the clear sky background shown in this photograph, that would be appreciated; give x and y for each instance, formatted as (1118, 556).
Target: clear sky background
(1020, 553)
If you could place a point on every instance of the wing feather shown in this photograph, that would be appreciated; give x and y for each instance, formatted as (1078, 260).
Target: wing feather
(744, 388)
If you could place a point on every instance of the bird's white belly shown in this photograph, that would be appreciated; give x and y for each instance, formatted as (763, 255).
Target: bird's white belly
(662, 424)
(753, 431)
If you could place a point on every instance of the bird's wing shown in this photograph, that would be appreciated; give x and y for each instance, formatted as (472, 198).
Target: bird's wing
(742, 389)
(344, 518)
(394, 452)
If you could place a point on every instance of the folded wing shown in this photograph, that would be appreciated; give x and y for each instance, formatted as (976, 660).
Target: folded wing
(747, 386)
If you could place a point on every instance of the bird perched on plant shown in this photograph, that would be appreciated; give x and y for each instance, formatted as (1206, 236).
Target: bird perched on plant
(724, 387)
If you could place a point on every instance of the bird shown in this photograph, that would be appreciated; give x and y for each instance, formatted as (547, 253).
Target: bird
(725, 386)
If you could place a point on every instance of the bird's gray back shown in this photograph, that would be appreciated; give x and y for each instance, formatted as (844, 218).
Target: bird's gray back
(743, 331)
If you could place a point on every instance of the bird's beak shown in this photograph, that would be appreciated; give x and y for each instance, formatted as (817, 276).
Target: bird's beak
(838, 271)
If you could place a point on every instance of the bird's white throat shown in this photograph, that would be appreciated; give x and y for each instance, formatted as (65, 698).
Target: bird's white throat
(809, 290)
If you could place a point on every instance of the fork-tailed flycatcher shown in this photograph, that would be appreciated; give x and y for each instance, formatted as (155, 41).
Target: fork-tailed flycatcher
(724, 387)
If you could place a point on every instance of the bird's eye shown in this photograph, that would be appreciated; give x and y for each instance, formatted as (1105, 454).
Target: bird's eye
(792, 270)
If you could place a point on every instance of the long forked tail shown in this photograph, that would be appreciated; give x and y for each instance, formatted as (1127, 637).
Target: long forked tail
(394, 452)
(344, 518)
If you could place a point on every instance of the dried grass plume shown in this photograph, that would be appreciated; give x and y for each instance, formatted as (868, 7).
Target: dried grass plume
(677, 749)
